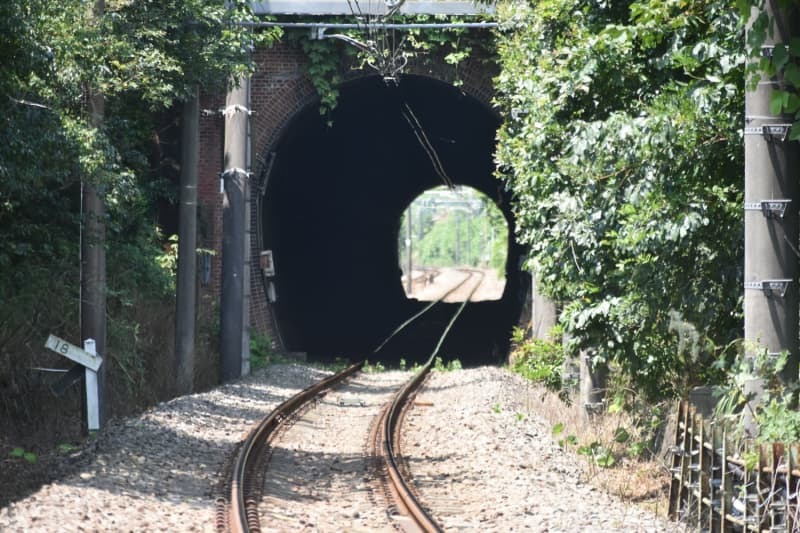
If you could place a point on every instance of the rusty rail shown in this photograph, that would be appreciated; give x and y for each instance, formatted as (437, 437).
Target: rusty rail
(387, 447)
(239, 511)
(717, 487)
(389, 434)
(242, 505)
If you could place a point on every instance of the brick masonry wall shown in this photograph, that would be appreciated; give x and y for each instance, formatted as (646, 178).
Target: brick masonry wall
(279, 89)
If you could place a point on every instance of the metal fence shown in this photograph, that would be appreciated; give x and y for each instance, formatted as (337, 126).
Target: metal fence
(719, 486)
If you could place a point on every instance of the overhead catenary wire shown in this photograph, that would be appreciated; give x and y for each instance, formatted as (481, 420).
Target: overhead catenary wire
(419, 132)
(358, 26)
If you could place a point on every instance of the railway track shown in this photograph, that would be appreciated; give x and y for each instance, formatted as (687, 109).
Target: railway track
(241, 507)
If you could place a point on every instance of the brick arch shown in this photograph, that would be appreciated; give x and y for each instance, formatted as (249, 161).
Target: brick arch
(280, 89)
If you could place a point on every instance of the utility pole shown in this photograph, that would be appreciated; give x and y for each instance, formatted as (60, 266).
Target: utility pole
(543, 311)
(409, 267)
(458, 237)
(234, 351)
(771, 215)
(93, 253)
(469, 238)
(186, 298)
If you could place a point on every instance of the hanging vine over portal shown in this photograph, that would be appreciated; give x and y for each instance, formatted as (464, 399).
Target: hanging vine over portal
(329, 58)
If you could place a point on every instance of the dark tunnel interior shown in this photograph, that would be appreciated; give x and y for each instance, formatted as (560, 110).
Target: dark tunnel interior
(332, 212)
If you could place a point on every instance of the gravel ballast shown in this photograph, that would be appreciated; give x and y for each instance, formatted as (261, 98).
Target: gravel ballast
(484, 462)
(480, 460)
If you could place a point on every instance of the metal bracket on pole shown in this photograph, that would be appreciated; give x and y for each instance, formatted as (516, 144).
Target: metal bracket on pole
(770, 287)
(770, 131)
(235, 171)
(235, 108)
(770, 208)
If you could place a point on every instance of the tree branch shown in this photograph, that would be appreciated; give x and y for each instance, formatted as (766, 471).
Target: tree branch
(28, 103)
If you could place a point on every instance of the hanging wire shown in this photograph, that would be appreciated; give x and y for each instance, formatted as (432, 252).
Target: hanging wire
(386, 56)
(416, 127)
(383, 54)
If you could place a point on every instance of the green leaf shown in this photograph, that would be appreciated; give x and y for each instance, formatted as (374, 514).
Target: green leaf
(743, 6)
(605, 459)
(617, 404)
(30, 457)
(66, 448)
(17, 452)
(621, 435)
(794, 47)
(779, 56)
(777, 100)
(794, 133)
(792, 74)
(558, 429)
(636, 449)
(792, 103)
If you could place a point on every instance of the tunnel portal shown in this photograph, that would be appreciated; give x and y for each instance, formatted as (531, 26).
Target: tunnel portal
(332, 212)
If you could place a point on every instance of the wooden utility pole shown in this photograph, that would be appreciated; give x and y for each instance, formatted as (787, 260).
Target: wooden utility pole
(771, 213)
(93, 253)
(186, 297)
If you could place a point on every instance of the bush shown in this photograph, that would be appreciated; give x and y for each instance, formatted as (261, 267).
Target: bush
(538, 360)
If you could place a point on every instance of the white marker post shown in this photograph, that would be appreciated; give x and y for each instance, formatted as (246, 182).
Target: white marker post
(91, 362)
(92, 398)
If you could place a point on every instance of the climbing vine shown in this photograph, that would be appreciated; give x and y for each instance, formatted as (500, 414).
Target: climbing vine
(328, 58)
(778, 61)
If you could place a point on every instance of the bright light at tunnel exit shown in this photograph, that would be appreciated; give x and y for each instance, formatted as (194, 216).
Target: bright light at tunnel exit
(444, 235)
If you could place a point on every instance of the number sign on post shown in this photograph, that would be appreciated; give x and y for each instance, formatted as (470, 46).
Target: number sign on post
(91, 362)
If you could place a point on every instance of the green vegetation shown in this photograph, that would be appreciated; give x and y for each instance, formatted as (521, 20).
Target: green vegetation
(451, 366)
(776, 416)
(374, 368)
(262, 353)
(20, 453)
(143, 58)
(539, 360)
(462, 228)
(622, 145)
(329, 58)
(781, 62)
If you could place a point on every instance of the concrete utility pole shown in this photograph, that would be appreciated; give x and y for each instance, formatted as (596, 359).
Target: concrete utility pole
(543, 312)
(409, 260)
(458, 237)
(93, 255)
(234, 341)
(771, 216)
(186, 298)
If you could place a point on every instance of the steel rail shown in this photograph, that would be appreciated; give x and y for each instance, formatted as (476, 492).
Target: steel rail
(241, 516)
(390, 436)
(239, 513)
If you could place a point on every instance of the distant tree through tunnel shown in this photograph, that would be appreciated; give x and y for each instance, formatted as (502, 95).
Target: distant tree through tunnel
(444, 231)
(333, 210)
